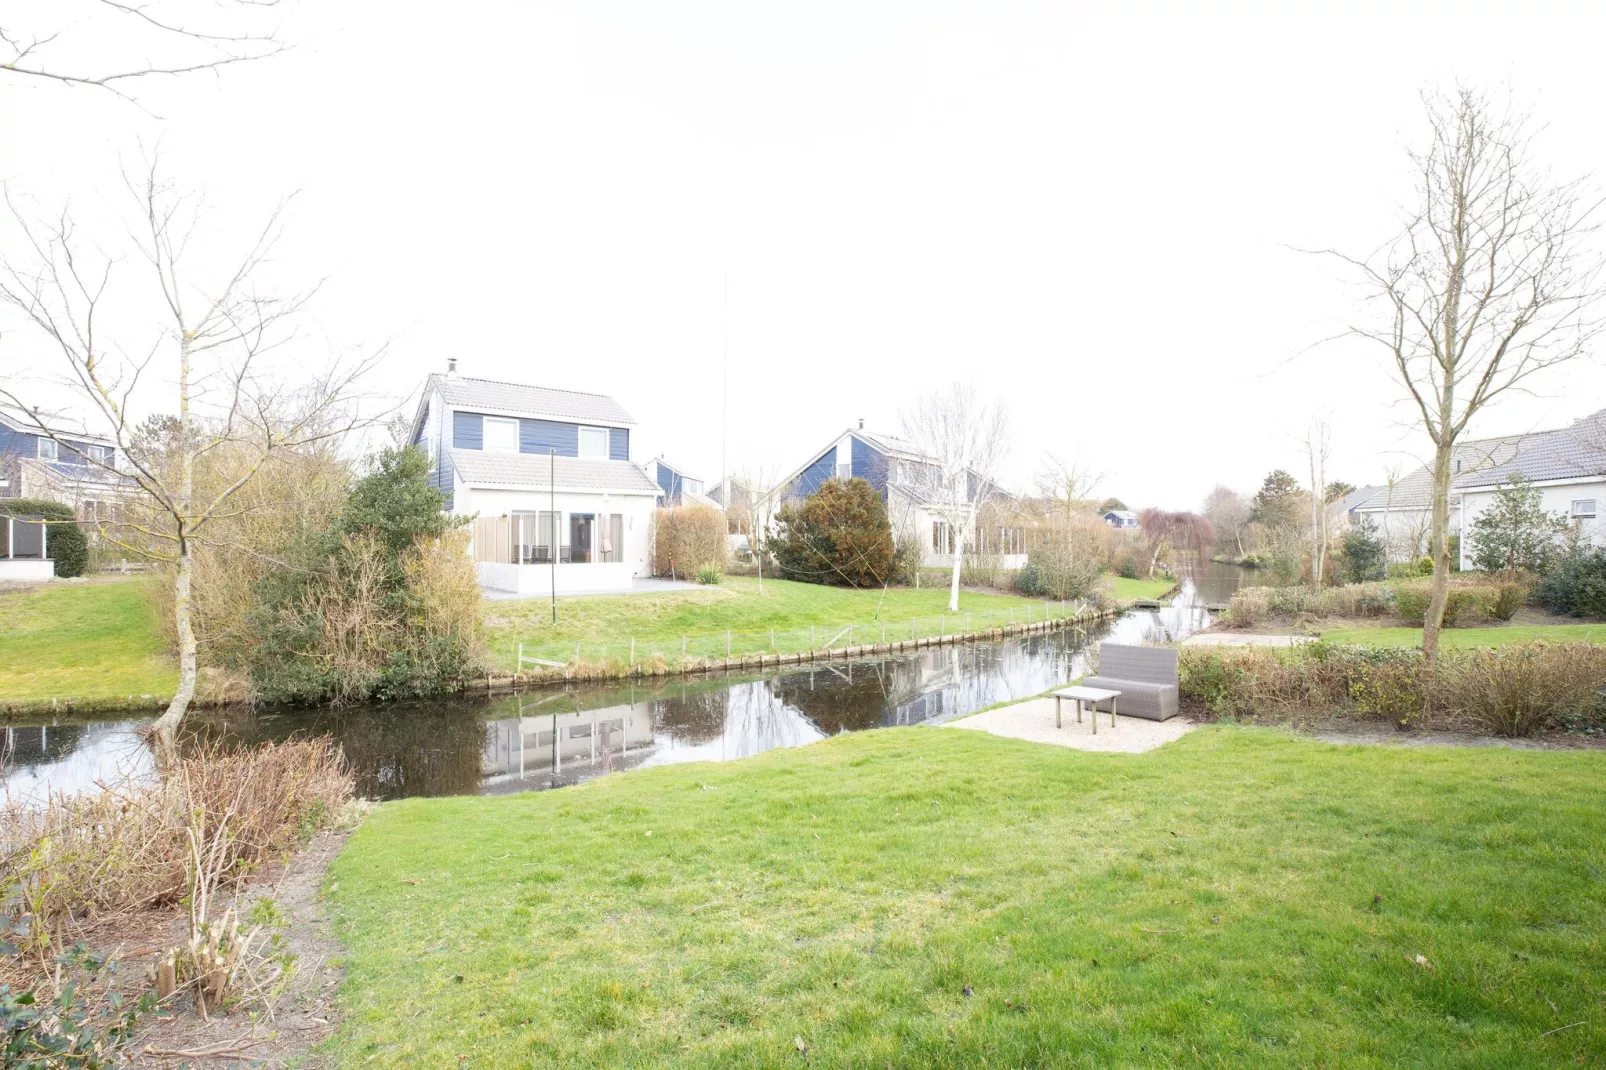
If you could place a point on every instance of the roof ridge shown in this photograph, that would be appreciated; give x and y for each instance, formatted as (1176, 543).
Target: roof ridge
(527, 386)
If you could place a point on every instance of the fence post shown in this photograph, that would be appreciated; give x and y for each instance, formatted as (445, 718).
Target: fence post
(883, 633)
(632, 652)
(683, 648)
(520, 666)
(942, 625)
(989, 620)
(850, 635)
(911, 629)
(811, 637)
(967, 622)
(577, 651)
(727, 644)
(772, 640)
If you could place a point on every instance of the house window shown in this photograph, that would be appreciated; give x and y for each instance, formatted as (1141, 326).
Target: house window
(532, 537)
(1584, 509)
(942, 541)
(611, 533)
(501, 436)
(582, 526)
(692, 486)
(101, 455)
(47, 449)
(594, 442)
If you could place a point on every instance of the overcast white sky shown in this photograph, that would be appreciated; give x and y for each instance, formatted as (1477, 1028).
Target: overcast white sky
(1085, 209)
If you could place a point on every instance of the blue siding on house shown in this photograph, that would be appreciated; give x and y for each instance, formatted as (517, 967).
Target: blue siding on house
(542, 436)
(822, 469)
(468, 431)
(870, 465)
(619, 443)
(69, 451)
(667, 479)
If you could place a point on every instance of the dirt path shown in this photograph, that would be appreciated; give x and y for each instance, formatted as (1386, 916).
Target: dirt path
(303, 1015)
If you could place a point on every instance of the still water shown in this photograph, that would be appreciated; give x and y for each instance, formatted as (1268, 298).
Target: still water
(549, 737)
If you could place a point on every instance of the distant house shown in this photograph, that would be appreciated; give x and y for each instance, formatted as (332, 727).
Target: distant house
(900, 472)
(71, 467)
(1567, 465)
(1124, 519)
(548, 476)
(677, 486)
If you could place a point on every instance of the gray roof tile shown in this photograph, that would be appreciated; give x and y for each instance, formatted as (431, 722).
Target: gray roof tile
(539, 472)
(465, 393)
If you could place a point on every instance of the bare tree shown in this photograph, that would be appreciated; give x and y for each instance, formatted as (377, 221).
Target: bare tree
(1228, 513)
(760, 493)
(1069, 482)
(1317, 449)
(153, 38)
(1490, 282)
(964, 440)
(217, 348)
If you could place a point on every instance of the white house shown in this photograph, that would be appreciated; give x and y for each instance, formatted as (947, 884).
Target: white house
(895, 468)
(1567, 465)
(547, 475)
(1125, 519)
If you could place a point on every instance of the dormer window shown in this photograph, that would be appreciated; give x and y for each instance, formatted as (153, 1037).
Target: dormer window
(594, 443)
(47, 449)
(501, 436)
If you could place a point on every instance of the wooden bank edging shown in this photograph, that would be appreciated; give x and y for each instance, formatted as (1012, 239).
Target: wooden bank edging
(588, 671)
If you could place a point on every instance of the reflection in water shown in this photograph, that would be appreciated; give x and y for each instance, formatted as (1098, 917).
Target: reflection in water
(552, 737)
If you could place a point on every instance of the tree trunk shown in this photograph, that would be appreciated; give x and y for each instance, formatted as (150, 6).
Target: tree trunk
(164, 733)
(1440, 547)
(959, 557)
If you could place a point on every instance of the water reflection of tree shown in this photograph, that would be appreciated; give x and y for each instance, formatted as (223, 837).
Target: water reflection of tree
(395, 751)
(25, 745)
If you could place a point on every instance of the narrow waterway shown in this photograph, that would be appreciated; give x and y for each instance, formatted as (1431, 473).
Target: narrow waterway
(553, 736)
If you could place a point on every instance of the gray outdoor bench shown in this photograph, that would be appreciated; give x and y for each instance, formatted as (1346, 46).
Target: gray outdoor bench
(1146, 676)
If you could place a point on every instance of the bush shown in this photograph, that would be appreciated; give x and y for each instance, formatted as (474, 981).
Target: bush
(382, 604)
(838, 535)
(1576, 585)
(1128, 568)
(64, 539)
(1515, 690)
(907, 554)
(1250, 605)
(1465, 602)
(126, 846)
(686, 540)
(1067, 559)
(708, 575)
(1508, 598)
(1363, 554)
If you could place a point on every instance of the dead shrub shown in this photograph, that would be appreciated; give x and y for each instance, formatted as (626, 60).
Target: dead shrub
(79, 858)
(687, 540)
(1516, 690)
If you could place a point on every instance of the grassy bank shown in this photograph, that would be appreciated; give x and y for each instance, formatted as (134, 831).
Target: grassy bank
(1471, 638)
(85, 641)
(605, 625)
(925, 897)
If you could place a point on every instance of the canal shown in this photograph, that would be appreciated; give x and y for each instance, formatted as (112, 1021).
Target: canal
(549, 737)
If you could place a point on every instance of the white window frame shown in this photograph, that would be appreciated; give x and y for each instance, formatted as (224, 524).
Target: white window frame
(1582, 514)
(48, 449)
(607, 441)
(500, 421)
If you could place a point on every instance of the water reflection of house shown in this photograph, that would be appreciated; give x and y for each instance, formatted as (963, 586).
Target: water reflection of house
(564, 745)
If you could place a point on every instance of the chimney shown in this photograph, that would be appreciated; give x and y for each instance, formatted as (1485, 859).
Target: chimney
(451, 366)
(861, 423)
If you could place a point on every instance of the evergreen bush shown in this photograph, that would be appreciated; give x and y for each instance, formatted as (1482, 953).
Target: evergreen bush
(839, 535)
(64, 539)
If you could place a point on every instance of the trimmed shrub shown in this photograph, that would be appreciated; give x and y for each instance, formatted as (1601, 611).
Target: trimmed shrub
(686, 540)
(1576, 585)
(64, 539)
(1468, 602)
(838, 535)
(1508, 598)
(1251, 605)
(1512, 691)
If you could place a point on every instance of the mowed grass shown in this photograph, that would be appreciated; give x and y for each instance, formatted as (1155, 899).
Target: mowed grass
(605, 625)
(925, 897)
(1470, 638)
(81, 641)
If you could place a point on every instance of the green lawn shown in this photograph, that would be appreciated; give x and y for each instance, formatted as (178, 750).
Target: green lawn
(604, 625)
(81, 641)
(1465, 638)
(930, 897)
